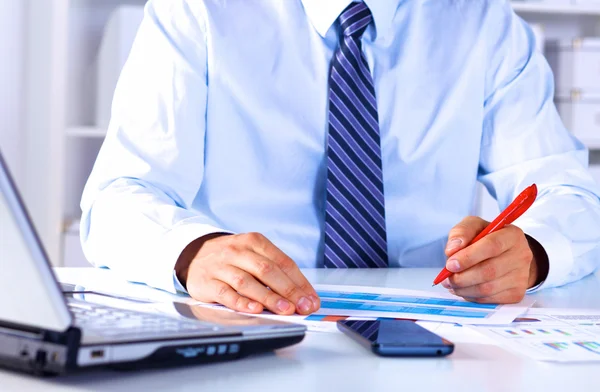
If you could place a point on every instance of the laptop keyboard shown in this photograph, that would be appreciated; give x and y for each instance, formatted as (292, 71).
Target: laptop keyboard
(111, 322)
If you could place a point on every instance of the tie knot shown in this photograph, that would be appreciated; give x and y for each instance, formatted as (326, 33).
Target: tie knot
(355, 19)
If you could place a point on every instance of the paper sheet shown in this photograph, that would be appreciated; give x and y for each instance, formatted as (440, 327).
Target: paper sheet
(371, 302)
(453, 332)
(545, 334)
(457, 333)
(313, 323)
(360, 303)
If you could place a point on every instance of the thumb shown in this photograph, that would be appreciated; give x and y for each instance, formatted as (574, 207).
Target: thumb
(463, 233)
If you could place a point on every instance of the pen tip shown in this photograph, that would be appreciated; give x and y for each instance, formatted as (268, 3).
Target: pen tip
(433, 285)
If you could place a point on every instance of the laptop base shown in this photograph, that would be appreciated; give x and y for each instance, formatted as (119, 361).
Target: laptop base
(166, 357)
(51, 354)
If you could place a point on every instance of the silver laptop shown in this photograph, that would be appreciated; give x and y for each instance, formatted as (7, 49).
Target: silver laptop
(45, 331)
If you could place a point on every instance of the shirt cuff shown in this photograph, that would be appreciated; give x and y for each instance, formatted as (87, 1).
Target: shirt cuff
(557, 247)
(178, 286)
(169, 248)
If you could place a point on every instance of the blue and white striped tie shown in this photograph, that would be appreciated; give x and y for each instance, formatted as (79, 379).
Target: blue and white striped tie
(355, 231)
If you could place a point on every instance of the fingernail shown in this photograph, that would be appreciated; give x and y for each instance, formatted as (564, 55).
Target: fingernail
(252, 305)
(315, 301)
(453, 265)
(283, 305)
(446, 284)
(304, 305)
(453, 244)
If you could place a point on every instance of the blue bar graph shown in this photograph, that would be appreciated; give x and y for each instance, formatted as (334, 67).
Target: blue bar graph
(374, 307)
(404, 299)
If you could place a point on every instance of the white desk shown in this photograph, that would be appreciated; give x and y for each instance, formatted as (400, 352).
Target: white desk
(333, 362)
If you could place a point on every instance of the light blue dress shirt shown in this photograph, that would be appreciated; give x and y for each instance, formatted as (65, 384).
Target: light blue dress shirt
(220, 117)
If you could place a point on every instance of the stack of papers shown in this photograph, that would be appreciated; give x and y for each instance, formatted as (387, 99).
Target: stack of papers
(541, 334)
(560, 335)
(441, 313)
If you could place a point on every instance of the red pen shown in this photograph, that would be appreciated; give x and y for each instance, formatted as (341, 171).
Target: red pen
(506, 217)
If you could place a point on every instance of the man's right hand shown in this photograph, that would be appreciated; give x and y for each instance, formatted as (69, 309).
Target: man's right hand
(247, 273)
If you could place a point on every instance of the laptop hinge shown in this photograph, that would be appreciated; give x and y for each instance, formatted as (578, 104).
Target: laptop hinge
(70, 339)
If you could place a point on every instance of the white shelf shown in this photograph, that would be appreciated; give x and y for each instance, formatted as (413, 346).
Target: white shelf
(592, 144)
(71, 226)
(559, 9)
(86, 132)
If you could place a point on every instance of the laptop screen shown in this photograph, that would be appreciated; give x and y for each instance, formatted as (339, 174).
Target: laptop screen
(29, 294)
(12, 243)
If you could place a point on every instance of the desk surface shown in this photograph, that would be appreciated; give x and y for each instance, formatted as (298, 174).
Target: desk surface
(333, 362)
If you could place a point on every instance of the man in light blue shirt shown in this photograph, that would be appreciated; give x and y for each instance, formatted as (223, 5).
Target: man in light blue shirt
(346, 135)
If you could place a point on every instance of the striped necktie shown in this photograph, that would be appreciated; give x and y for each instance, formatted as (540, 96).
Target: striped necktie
(355, 235)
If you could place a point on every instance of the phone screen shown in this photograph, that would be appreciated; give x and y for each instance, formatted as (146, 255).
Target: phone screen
(396, 337)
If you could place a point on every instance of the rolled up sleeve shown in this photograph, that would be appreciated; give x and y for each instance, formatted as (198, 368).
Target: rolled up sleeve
(137, 204)
(525, 142)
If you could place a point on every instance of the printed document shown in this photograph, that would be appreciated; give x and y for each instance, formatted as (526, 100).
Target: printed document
(372, 302)
(545, 334)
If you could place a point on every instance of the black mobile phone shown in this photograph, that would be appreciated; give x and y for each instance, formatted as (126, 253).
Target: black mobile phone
(396, 338)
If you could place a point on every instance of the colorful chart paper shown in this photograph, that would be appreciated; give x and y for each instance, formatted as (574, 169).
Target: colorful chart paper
(374, 302)
(551, 335)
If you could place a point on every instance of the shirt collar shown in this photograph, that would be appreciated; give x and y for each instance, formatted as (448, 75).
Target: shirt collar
(324, 13)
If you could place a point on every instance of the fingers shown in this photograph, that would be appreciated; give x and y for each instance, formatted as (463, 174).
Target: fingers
(261, 245)
(463, 233)
(495, 269)
(488, 247)
(225, 295)
(269, 273)
(511, 296)
(247, 272)
(514, 280)
(486, 271)
(246, 285)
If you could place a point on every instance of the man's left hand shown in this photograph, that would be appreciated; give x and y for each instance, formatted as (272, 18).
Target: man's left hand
(499, 268)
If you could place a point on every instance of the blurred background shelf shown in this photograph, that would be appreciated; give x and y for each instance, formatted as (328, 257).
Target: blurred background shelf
(60, 43)
(86, 132)
(592, 144)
